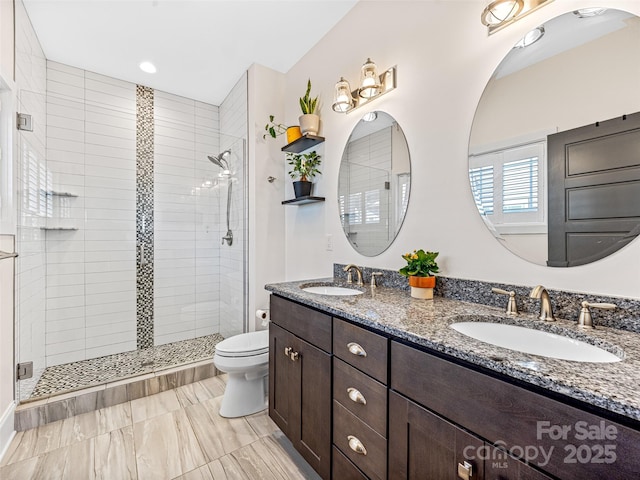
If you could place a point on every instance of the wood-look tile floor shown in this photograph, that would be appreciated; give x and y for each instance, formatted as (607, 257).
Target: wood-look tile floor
(176, 434)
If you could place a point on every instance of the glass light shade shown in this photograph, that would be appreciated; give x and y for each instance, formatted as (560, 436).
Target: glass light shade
(589, 12)
(531, 37)
(501, 11)
(369, 81)
(343, 101)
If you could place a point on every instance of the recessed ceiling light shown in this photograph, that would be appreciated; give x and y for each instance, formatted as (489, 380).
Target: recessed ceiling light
(148, 67)
(370, 117)
(530, 38)
(589, 12)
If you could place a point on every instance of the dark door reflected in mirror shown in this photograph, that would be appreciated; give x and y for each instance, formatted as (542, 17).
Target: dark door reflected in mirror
(583, 71)
(374, 183)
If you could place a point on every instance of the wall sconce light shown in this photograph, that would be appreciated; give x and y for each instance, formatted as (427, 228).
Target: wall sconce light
(500, 13)
(371, 86)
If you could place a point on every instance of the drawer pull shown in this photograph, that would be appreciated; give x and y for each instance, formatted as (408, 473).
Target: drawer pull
(356, 396)
(465, 470)
(356, 445)
(356, 349)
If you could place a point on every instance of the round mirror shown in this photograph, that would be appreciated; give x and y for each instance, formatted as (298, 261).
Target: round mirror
(374, 183)
(553, 161)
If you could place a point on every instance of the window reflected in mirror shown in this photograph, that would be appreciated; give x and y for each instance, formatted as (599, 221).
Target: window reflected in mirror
(583, 72)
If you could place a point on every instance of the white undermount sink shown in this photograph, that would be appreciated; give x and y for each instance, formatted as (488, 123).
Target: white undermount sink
(332, 290)
(535, 342)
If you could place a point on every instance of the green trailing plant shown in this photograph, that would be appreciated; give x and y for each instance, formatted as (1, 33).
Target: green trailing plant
(304, 165)
(420, 264)
(308, 104)
(274, 129)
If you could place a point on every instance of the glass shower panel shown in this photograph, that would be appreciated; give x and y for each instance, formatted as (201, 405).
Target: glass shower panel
(199, 277)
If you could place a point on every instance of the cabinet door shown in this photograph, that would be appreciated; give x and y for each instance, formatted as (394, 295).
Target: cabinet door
(423, 445)
(312, 383)
(499, 465)
(300, 396)
(282, 398)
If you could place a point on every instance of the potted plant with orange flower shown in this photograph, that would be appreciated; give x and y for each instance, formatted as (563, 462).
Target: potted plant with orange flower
(420, 268)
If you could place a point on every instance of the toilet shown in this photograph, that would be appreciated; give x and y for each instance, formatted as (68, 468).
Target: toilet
(245, 358)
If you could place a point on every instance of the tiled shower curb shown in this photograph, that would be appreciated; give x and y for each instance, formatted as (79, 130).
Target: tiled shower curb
(59, 407)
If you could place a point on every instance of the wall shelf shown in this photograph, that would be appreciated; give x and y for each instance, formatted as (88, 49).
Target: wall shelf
(303, 200)
(303, 143)
(59, 229)
(61, 194)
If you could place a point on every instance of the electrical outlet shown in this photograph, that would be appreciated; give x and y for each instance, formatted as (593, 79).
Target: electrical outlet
(329, 242)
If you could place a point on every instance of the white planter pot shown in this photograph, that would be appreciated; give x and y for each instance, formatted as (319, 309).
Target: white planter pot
(422, 293)
(309, 124)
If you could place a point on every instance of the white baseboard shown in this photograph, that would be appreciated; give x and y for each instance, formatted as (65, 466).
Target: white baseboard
(7, 429)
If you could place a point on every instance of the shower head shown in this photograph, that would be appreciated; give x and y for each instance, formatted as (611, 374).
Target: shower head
(221, 159)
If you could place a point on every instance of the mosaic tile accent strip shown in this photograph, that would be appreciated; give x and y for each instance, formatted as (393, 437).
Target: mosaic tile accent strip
(97, 371)
(566, 305)
(144, 215)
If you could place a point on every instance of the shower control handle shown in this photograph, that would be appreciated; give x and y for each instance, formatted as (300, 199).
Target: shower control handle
(228, 238)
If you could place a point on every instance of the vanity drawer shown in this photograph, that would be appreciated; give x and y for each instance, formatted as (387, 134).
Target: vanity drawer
(306, 323)
(374, 411)
(372, 460)
(365, 350)
(343, 469)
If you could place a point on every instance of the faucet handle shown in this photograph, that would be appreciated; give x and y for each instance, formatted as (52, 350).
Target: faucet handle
(373, 278)
(512, 308)
(585, 320)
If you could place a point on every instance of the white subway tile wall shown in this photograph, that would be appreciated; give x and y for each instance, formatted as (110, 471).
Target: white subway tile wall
(91, 304)
(233, 264)
(32, 182)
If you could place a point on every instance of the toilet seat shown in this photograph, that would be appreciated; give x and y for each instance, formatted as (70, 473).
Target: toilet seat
(244, 345)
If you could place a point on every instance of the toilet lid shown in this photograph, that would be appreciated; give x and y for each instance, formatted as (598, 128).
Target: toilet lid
(244, 345)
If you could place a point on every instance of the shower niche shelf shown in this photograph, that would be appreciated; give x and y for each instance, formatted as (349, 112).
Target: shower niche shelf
(303, 143)
(59, 229)
(62, 194)
(303, 200)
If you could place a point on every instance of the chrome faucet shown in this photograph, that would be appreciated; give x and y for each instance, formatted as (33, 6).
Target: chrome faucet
(350, 276)
(546, 311)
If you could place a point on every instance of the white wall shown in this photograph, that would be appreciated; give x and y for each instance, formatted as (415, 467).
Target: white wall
(266, 213)
(444, 60)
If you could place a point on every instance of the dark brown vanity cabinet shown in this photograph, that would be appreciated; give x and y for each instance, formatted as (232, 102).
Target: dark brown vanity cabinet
(300, 380)
(359, 402)
(558, 439)
(358, 405)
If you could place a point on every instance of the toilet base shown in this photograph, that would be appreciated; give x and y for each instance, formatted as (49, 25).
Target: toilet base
(243, 396)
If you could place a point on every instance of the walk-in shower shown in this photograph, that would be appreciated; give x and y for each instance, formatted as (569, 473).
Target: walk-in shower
(222, 162)
(90, 308)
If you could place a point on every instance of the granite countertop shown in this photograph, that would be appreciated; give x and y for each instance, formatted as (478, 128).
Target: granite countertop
(612, 386)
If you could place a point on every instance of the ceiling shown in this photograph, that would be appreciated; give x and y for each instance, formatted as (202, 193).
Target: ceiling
(200, 47)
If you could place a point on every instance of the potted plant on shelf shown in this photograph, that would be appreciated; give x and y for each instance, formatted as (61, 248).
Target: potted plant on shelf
(309, 120)
(274, 129)
(420, 268)
(304, 166)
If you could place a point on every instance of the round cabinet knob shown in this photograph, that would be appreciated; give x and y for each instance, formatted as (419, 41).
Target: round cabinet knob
(356, 396)
(356, 349)
(356, 445)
